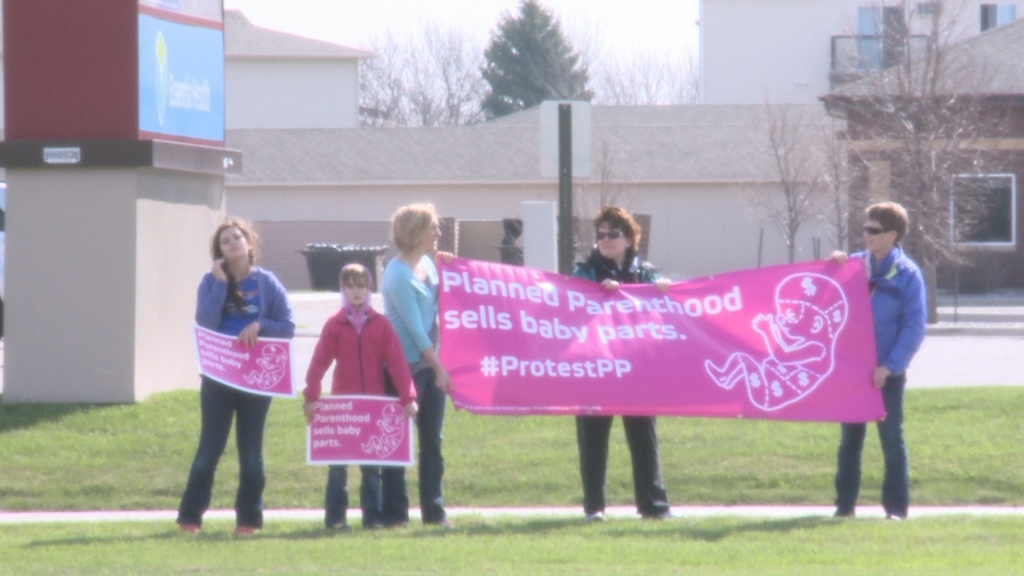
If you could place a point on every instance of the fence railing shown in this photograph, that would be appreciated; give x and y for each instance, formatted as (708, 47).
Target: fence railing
(854, 55)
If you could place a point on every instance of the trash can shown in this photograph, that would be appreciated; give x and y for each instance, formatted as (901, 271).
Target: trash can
(325, 262)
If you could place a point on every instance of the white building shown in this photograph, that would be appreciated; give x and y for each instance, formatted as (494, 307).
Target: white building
(753, 51)
(277, 80)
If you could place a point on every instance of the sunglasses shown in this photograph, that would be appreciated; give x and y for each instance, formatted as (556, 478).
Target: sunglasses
(613, 234)
(874, 230)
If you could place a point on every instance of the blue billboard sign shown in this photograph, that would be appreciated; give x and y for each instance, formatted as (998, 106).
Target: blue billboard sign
(181, 80)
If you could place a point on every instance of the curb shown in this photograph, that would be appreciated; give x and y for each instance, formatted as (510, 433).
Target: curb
(616, 512)
(1005, 330)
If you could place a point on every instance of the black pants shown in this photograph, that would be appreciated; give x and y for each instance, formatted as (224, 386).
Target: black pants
(642, 436)
(429, 427)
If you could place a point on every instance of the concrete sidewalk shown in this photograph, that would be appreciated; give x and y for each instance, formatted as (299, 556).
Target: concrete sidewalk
(612, 512)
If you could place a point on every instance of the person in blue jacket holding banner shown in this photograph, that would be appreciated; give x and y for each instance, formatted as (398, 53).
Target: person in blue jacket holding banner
(614, 261)
(898, 302)
(410, 290)
(236, 298)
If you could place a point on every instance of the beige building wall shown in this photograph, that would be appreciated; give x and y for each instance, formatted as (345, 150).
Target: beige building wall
(705, 229)
(176, 215)
(355, 202)
(481, 239)
(102, 270)
(697, 229)
(282, 244)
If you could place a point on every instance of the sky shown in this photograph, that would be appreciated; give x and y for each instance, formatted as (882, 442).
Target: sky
(625, 29)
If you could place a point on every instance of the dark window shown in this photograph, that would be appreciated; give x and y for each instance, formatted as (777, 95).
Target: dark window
(997, 14)
(984, 209)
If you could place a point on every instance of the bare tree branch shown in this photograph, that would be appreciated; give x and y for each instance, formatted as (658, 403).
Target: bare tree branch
(922, 108)
(920, 124)
(432, 79)
(800, 168)
(382, 85)
(647, 80)
(836, 177)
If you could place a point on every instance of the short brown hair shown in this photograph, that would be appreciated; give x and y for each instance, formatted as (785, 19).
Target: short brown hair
(354, 274)
(891, 216)
(409, 223)
(619, 218)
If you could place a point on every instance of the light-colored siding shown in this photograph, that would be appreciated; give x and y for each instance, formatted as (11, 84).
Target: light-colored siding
(780, 50)
(279, 93)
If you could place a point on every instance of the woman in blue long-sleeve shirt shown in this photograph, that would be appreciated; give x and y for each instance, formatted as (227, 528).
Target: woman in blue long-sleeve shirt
(898, 303)
(236, 298)
(410, 291)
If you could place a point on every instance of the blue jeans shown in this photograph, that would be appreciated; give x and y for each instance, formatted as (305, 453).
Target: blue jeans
(219, 405)
(896, 486)
(383, 496)
(429, 425)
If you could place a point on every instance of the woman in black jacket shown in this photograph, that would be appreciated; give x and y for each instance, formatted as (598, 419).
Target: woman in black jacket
(613, 261)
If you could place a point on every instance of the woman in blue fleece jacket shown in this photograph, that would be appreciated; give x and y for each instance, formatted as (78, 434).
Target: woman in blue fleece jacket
(898, 303)
(240, 299)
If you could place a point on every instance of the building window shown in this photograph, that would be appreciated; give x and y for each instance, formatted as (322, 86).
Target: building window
(882, 36)
(984, 210)
(997, 14)
(927, 8)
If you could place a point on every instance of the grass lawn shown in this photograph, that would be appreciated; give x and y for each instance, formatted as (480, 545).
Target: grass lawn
(798, 546)
(966, 447)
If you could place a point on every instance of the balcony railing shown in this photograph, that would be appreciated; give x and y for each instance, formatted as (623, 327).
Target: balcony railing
(852, 56)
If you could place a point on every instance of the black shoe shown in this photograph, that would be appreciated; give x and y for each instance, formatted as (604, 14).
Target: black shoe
(844, 514)
(896, 517)
(442, 523)
(663, 515)
(339, 527)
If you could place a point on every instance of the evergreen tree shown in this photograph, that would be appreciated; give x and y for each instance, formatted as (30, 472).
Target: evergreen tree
(529, 60)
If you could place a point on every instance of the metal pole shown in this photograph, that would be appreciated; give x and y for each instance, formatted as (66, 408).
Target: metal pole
(566, 250)
(760, 247)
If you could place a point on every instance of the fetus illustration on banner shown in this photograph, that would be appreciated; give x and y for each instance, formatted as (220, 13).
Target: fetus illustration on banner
(273, 362)
(810, 312)
(392, 430)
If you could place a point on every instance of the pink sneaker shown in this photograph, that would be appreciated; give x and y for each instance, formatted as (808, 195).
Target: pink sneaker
(189, 527)
(244, 530)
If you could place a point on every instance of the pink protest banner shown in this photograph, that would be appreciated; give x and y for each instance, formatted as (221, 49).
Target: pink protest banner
(791, 342)
(366, 430)
(264, 369)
